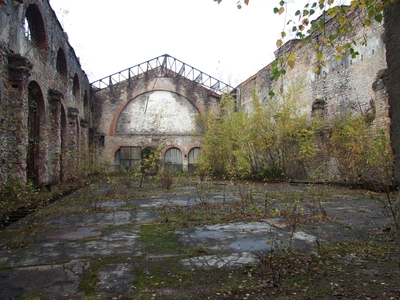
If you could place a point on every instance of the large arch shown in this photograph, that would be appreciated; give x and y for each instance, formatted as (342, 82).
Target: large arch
(36, 121)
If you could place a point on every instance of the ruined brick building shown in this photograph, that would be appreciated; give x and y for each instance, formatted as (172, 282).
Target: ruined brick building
(153, 105)
(54, 122)
(44, 96)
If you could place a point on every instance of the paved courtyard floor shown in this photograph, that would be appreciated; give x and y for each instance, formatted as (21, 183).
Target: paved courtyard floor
(102, 241)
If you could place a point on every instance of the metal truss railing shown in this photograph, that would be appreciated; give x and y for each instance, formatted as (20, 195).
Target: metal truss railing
(161, 66)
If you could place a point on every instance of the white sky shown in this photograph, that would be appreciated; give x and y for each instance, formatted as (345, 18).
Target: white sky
(218, 39)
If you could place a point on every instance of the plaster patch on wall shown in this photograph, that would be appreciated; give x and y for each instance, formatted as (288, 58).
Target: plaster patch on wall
(158, 112)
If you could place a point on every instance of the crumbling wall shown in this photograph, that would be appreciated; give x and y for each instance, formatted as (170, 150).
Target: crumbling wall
(41, 79)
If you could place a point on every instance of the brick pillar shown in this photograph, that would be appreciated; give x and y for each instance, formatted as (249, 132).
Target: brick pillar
(16, 104)
(72, 142)
(54, 98)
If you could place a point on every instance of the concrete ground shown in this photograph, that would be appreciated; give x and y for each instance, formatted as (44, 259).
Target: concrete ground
(57, 258)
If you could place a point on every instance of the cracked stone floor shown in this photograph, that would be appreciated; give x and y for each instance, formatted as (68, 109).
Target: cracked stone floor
(56, 261)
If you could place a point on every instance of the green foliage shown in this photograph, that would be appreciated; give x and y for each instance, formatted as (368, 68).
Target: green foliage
(150, 163)
(222, 153)
(148, 167)
(272, 142)
(275, 141)
(15, 195)
(361, 154)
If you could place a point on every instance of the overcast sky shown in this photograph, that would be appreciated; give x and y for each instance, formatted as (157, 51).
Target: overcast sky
(218, 39)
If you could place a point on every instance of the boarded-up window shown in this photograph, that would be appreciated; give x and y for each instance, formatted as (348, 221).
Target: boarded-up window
(128, 158)
(194, 156)
(173, 159)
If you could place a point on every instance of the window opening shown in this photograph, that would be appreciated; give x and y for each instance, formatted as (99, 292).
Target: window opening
(34, 28)
(318, 108)
(101, 141)
(129, 158)
(61, 64)
(173, 159)
(194, 158)
(27, 30)
(75, 87)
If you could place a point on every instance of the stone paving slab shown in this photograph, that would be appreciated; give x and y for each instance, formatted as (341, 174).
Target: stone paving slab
(59, 281)
(117, 218)
(242, 237)
(115, 280)
(56, 246)
(220, 261)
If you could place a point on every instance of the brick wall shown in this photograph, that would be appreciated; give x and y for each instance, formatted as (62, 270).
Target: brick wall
(342, 86)
(41, 64)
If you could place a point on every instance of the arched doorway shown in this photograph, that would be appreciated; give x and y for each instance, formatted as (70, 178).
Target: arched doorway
(35, 120)
(173, 160)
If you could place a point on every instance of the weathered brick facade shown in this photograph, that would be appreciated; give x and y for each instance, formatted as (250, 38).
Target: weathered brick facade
(153, 110)
(341, 85)
(41, 83)
(348, 85)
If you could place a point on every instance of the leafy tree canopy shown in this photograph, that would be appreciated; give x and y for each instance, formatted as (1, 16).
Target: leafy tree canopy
(313, 16)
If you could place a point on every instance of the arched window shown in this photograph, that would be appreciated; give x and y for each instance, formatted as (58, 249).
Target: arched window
(61, 63)
(34, 27)
(76, 87)
(173, 159)
(194, 157)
